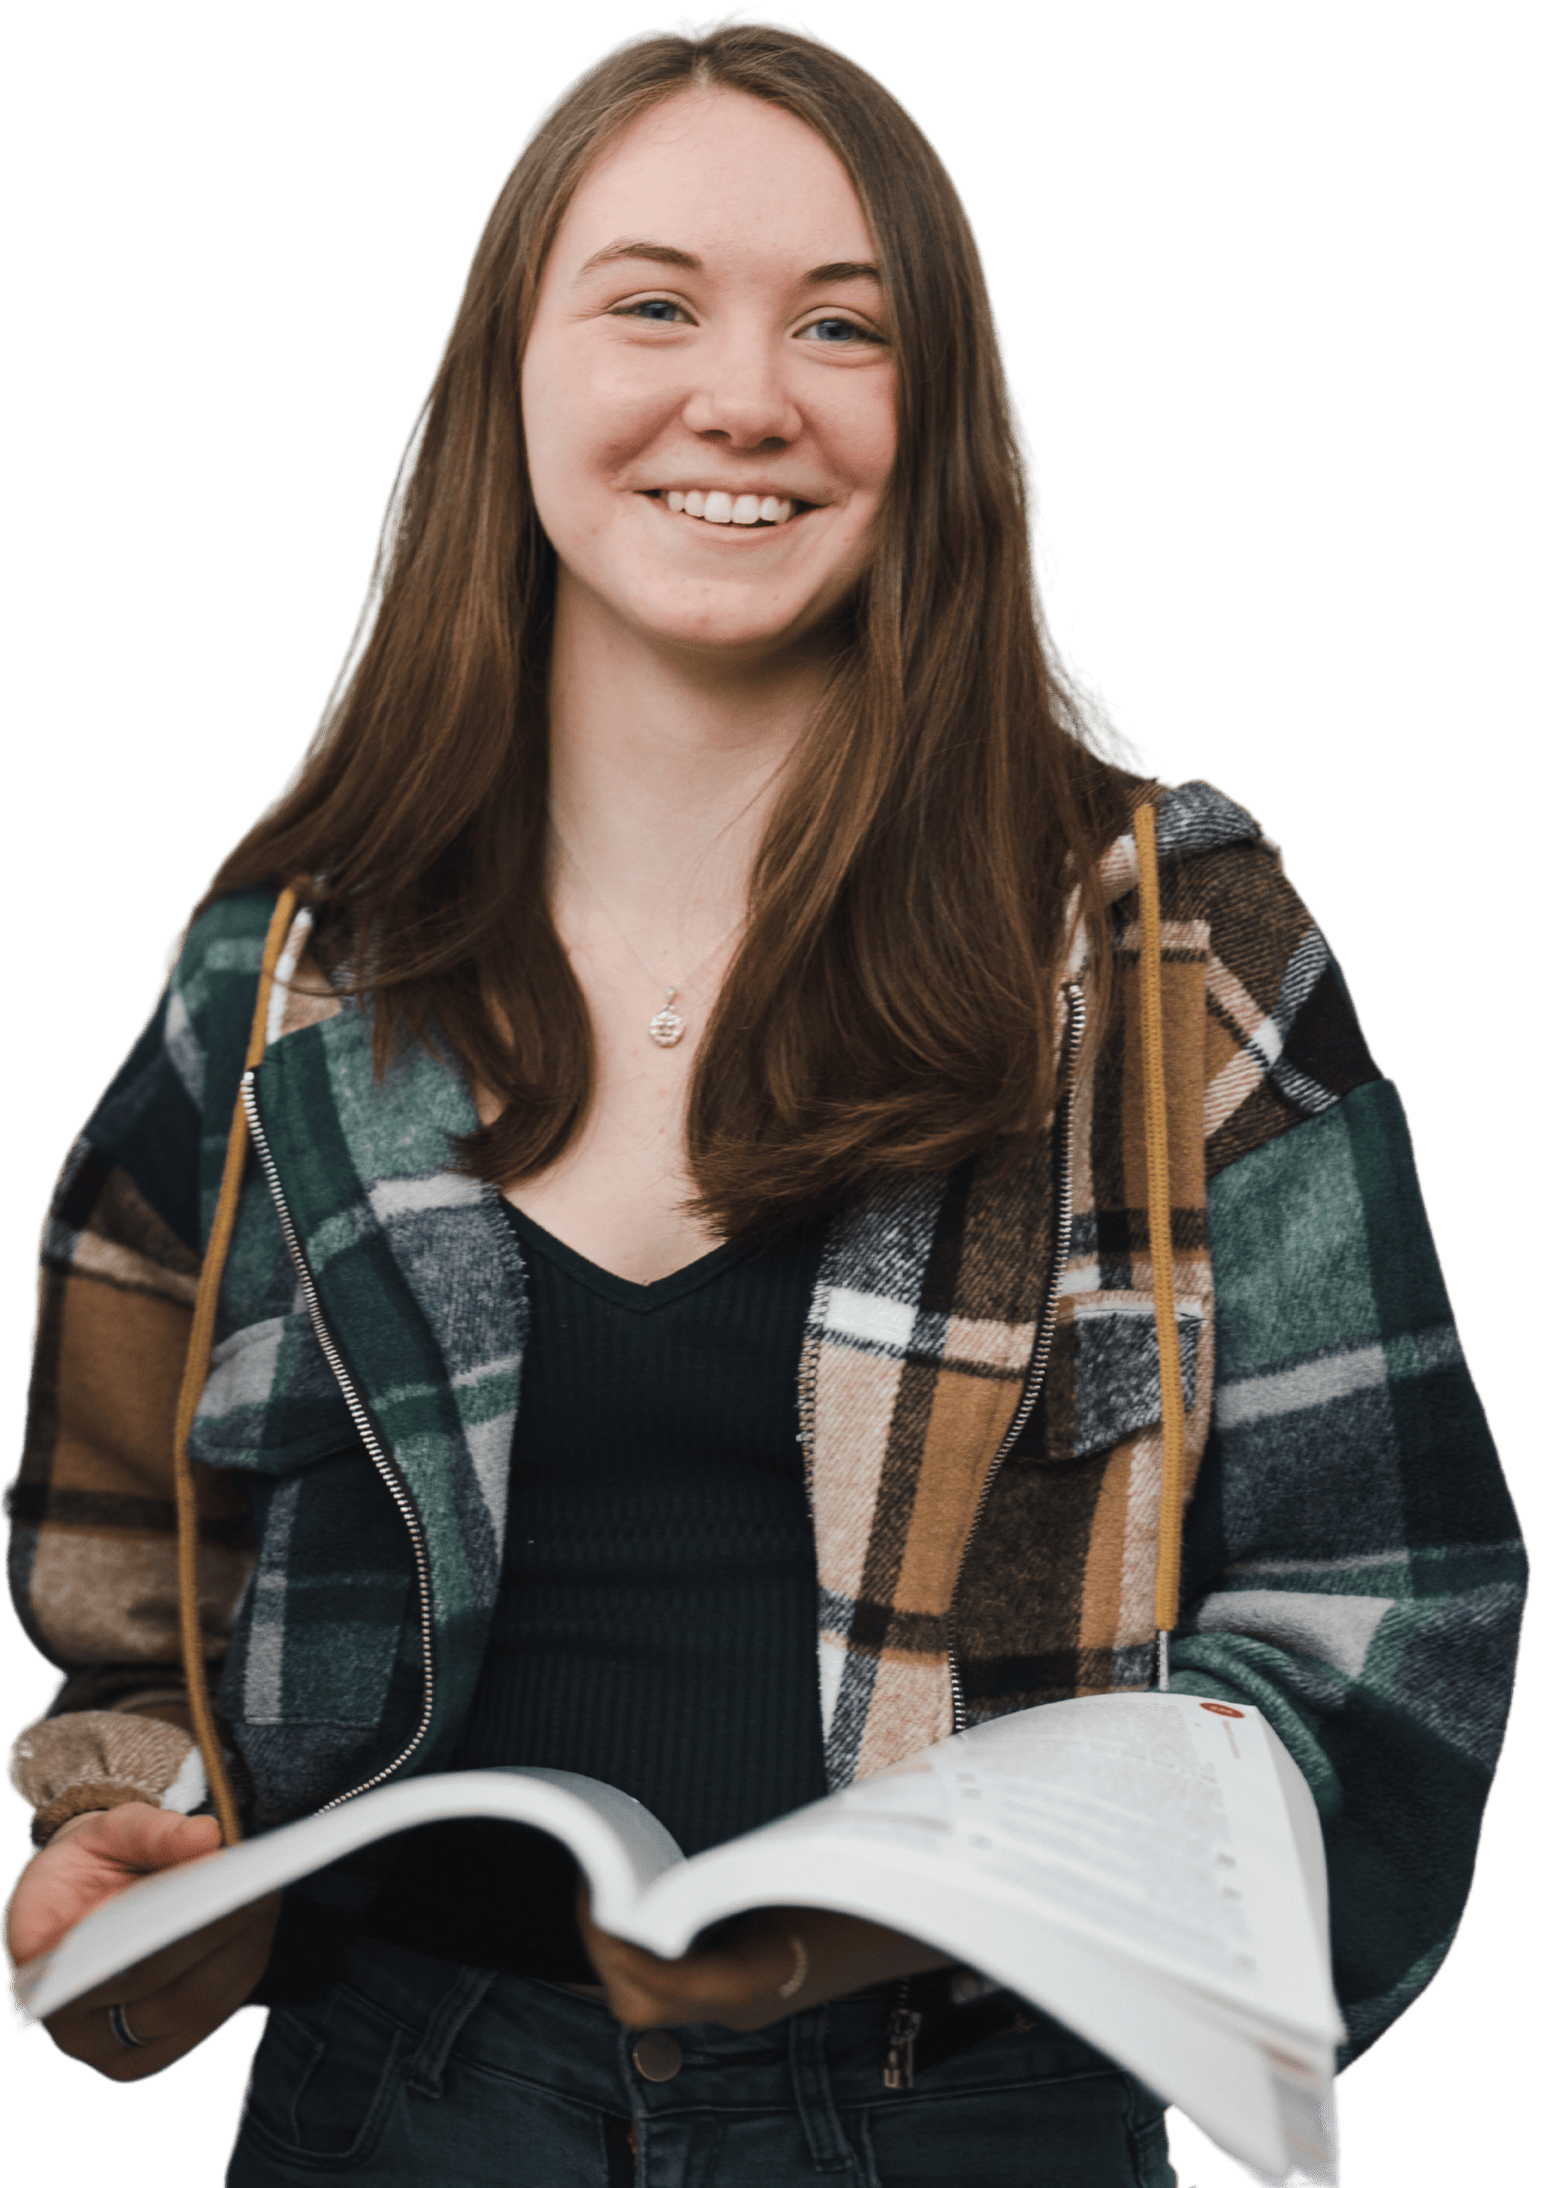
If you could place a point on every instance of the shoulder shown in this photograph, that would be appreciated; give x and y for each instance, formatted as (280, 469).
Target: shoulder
(1218, 870)
(190, 1055)
(214, 983)
(1280, 1034)
(1219, 877)
(224, 946)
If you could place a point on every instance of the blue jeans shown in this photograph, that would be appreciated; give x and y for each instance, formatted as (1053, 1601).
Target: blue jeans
(415, 2071)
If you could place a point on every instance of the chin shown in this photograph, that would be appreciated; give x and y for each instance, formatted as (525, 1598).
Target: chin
(730, 628)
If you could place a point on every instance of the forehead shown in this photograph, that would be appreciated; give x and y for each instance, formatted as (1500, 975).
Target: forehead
(718, 174)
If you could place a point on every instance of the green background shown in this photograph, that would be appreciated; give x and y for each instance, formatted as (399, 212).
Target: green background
(1268, 287)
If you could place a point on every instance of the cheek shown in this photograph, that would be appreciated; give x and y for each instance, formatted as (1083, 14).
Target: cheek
(861, 432)
(554, 428)
(585, 414)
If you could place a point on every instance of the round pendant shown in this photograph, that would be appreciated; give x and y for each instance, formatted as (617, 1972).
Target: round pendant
(667, 1028)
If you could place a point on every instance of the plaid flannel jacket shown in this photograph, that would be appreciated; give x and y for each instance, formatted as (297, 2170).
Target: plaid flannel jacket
(1351, 1561)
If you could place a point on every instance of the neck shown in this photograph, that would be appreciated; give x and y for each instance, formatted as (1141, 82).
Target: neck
(662, 768)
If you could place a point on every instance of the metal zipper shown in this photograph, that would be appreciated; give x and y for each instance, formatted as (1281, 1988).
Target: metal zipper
(903, 2028)
(1076, 1027)
(366, 1428)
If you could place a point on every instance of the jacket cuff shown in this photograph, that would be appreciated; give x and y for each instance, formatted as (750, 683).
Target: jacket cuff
(98, 1758)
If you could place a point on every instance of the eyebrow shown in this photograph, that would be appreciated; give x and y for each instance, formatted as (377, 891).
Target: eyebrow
(661, 254)
(668, 254)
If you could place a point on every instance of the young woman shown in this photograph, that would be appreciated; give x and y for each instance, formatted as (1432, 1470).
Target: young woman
(690, 1314)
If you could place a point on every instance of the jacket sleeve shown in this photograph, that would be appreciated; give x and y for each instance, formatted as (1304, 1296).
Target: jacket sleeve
(93, 1554)
(1353, 1566)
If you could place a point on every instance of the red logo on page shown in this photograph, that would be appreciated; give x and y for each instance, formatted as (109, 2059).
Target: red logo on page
(1221, 1709)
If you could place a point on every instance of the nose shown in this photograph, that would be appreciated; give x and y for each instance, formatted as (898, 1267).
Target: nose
(742, 399)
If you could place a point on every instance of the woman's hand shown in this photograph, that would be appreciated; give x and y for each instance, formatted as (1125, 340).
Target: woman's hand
(775, 1963)
(171, 2001)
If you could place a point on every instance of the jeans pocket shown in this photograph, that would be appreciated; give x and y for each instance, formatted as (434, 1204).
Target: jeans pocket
(324, 2080)
(1084, 2130)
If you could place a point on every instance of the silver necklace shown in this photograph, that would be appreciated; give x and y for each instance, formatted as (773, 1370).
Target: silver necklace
(667, 1027)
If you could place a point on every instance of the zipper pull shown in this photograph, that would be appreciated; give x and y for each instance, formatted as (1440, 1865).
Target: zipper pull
(903, 2028)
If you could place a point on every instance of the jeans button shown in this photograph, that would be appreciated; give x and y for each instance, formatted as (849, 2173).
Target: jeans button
(657, 2055)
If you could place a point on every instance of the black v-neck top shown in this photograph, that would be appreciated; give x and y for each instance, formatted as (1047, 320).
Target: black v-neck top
(657, 1617)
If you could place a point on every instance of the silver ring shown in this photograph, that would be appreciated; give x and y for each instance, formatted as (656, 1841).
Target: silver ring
(118, 2022)
(798, 1975)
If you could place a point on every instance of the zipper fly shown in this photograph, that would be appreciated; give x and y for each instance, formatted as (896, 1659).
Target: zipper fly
(1044, 1338)
(367, 1430)
(903, 2028)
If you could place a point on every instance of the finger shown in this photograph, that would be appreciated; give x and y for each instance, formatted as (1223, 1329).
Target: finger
(95, 2043)
(171, 2022)
(163, 2027)
(139, 1838)
(159, 2012)
(733, 2001)
(213, 1985)
(101, 1858)
(158, 1969)
(736, 1982)
(756, 1949)
(615, 1957)
(739, 1985)
(94, 2038)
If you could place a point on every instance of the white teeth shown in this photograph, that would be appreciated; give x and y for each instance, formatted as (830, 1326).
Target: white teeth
(720, 508)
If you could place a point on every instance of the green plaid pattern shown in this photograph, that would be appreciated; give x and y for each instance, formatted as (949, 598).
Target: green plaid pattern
(1351, 1556)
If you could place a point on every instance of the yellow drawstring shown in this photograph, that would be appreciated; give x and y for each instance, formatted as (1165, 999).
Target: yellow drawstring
(196, 1369)
(1170, 1526)
(1159, 1195)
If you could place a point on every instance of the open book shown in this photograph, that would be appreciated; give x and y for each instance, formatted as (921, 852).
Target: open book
(1145, 1867)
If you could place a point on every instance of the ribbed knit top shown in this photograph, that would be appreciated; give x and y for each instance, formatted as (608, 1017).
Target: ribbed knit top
(657, 1614)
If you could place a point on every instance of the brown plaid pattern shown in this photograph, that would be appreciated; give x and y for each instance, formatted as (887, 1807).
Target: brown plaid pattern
(924, 1322)
(115, 1307)
(1037, 1575)
(1352, 1566)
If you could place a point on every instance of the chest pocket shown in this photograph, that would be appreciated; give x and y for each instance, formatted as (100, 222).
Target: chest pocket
(1104, 1382)
(270, 1404)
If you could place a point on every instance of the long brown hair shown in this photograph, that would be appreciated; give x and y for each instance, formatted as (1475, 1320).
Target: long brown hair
(891, 1003)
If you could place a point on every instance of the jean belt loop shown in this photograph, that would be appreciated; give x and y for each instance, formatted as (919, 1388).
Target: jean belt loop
(462, 1997)
(826, 2143)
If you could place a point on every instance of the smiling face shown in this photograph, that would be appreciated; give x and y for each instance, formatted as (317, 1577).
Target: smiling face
(708, 391)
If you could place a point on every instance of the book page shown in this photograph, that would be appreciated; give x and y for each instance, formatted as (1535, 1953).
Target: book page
(620, 1845)
(1156, 1824)
(1128, 1862)
(1166, 1824)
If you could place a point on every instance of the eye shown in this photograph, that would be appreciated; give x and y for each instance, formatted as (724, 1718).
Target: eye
(838, 333)
(660, 310)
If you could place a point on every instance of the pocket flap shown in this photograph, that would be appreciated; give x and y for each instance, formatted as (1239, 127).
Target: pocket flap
(270, 1403)
(1105, 1379)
